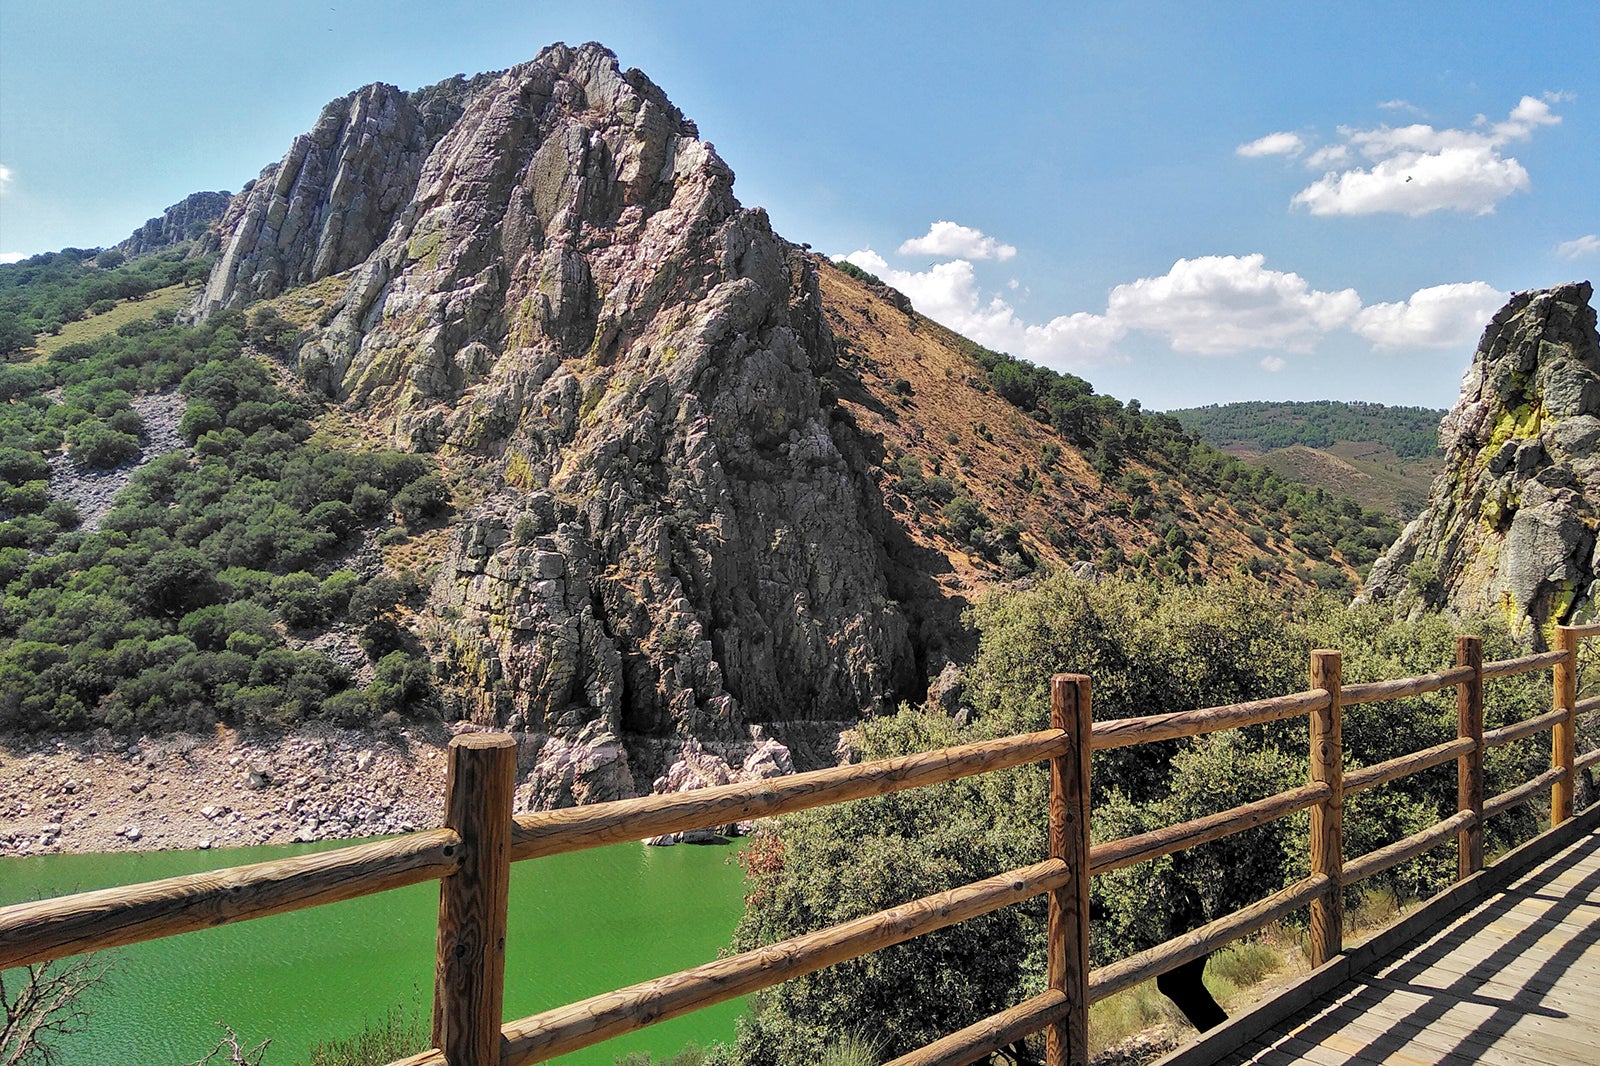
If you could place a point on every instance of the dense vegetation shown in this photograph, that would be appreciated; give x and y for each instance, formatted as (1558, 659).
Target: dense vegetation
(43, 293)
(1409, 432)
(179, 611)
(1148, 647)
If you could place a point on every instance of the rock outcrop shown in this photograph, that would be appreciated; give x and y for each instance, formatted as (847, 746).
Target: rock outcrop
(543, 275)
(1510, 523)
(187, 220)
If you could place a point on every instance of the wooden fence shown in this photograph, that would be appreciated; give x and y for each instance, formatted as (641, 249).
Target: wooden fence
(470, 857)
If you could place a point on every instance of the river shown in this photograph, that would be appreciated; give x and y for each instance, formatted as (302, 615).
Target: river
(580, 924)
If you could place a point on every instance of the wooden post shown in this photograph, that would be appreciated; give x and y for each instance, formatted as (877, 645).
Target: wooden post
(1563, 736)
(470, 965)
(1469, 767)
(1327, 817)
(1071, 709)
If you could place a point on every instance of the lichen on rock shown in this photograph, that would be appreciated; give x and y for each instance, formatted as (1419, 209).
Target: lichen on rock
(1510, 523)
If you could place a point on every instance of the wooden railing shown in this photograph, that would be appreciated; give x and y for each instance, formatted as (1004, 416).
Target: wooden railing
(471, 854)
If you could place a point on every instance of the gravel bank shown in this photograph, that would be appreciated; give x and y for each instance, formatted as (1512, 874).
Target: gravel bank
(99, 793)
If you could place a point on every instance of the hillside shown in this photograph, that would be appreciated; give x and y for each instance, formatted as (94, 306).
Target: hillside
(1385, 457)
(501, 407)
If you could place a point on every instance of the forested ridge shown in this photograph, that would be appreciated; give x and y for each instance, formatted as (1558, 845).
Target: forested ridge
(1409, 432)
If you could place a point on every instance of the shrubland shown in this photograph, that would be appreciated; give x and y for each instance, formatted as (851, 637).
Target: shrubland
(193, 601)
(1148, 647)
(42, 293)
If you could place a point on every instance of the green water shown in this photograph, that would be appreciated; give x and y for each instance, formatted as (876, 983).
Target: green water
(579, 924)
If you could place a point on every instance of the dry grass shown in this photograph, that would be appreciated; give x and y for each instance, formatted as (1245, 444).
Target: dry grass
(97, 326)
(945, 416)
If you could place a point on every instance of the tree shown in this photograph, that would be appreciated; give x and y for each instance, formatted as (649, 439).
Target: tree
(45, 1002)
(14, 335)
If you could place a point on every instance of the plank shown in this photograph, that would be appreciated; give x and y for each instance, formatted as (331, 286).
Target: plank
(1475, 1045)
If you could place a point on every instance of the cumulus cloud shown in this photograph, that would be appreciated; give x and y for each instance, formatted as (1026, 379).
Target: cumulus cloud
(1443, 316)
(1288, 144)
(12, 257)
(1588, 244)
(1418, 169)
(949, 293)
(1222, 304)
(947, 240)
(5, 178)
(1215, 305)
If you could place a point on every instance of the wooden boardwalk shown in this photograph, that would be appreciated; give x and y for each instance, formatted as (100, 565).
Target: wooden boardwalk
(1513, 979)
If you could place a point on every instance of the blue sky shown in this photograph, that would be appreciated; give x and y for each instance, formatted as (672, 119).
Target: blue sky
(1184, 204)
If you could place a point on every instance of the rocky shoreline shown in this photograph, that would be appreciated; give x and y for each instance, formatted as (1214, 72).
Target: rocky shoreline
(96, 792)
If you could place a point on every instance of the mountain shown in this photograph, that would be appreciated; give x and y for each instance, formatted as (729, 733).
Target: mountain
(188, 220)
(498, 403)
(1510, 522)
(1385, 457)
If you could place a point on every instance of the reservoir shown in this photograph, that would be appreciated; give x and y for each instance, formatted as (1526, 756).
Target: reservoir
(580, 924)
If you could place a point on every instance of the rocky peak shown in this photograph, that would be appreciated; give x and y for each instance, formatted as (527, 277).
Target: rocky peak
(1510, 523)
(187, 220)
(543, 275)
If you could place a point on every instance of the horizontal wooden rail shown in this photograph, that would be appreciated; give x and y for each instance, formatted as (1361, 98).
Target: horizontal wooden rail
(1375, 862)
(578, 1025)
(1588, 706)
(1590, 629)
(1124, 732)
(1377, 691)
(1522, 665)
(574, 828)
(1522, 793)
(1115, 854)
(113, 917)
(993, 1033)
(432, 1057)
(1507, 734)
(1586, 760)
(1110, 980)
(1393, 769)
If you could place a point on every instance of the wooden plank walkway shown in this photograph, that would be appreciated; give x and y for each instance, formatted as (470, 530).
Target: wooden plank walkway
(1513, 980)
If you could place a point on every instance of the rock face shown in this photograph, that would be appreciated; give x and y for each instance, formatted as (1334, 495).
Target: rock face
(185, 221)
(1510, 523)
(545, 278)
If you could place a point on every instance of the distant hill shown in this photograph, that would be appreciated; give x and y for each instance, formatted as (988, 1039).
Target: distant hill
(1386, 457)
(1409, 432)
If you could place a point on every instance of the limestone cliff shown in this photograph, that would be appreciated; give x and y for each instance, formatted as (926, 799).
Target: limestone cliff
(548, 281)
(1510, 523)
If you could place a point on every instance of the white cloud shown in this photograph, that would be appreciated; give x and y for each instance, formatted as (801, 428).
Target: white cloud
(1288, 144)
(947, 240)
(1219, 305)
(1208, 305)
(1417, 169)
(1588, 244)
(5, 178)
(949, 293)
(1471, 179)
(1442, 316)
(1400, 105)
(12, 257)
(1528, 115)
